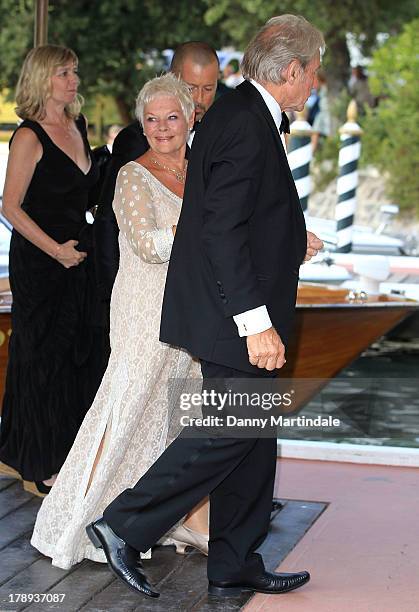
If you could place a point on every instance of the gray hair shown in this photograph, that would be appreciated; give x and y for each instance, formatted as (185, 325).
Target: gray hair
(167, 85)
(280, 41)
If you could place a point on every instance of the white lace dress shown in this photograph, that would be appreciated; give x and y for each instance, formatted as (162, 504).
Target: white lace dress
(131, 406)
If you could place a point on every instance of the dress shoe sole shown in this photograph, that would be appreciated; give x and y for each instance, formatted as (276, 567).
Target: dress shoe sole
(93, 537)
(234, 591)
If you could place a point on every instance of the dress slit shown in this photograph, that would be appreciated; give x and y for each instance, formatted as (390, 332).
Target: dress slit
(137, 398)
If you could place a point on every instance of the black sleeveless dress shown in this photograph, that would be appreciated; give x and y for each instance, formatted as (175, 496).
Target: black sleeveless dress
(53, 372)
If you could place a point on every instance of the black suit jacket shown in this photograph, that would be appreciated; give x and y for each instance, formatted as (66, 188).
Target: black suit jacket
(129, 144)
(241, 235)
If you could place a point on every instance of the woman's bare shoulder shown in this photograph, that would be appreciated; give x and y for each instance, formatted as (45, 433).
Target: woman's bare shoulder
(26, 144)
(25, 137)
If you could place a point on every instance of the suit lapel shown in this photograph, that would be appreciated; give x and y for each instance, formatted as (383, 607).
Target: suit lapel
(258, 105)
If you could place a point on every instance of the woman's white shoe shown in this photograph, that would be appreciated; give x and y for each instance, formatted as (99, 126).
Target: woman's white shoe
(182, 537)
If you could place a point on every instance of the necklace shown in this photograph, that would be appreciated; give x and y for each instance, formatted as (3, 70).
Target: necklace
(68, 129)
(180, 175)
(65, 127)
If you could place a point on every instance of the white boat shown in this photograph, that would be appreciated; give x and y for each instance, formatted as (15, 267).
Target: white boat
(337, 268)
(364, 239)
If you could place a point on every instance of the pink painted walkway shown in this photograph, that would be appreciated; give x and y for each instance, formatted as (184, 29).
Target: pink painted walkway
(363, 551)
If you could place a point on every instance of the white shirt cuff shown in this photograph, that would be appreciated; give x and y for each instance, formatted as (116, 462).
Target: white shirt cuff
(253, 321)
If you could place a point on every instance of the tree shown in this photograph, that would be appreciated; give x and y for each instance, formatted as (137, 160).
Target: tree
(118, 42)
(391, 131)
(16, 36)
(242, 18)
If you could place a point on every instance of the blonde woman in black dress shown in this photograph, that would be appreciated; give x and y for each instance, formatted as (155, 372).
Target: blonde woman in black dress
(52, 376)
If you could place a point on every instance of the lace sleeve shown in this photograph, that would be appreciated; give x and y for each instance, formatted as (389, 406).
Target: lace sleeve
(134, 211)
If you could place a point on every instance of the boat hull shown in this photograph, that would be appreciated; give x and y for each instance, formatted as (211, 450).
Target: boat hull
(330, 331)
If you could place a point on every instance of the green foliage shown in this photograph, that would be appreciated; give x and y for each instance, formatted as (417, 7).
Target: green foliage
(391, 139)
(118, 41)
(325, 166)
(242, 18)
(16, 37)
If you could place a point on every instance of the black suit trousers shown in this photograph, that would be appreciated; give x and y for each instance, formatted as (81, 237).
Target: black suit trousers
(237, 473)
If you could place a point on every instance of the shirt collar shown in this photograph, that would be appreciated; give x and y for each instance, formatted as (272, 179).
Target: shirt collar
(270, 102)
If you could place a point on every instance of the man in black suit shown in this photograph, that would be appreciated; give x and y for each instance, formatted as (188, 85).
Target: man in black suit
(229, 300)
(197, 64)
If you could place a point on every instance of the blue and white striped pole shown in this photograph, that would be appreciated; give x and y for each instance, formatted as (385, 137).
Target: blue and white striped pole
(350, 150)
(300, 154)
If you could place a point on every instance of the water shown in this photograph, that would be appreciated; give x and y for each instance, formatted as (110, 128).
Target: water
(376, 399)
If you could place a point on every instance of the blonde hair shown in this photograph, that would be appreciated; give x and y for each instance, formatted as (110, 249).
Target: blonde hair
(280, 41)
(34, 84)
(167, 85)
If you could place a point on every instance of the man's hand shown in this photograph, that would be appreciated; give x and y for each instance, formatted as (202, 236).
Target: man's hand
(314, 245)
(266, 350)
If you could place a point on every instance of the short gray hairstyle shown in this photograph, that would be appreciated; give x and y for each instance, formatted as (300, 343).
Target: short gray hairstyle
(167, 85)
(280, 41)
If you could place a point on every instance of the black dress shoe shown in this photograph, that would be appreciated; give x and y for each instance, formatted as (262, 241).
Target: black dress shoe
(123, 560)
(276, 505)
(42, 487)
(263, 583)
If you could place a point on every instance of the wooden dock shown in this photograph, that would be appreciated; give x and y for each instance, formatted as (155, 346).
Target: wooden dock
(92, 588)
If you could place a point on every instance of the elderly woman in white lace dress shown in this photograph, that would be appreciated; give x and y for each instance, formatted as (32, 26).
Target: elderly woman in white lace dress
(127, 426)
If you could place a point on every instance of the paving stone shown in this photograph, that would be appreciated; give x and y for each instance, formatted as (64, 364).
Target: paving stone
(16, 556)
(6, 481)
(18, 522)
(39, 577)
(12, 498)
(78, 587)
(91, 587)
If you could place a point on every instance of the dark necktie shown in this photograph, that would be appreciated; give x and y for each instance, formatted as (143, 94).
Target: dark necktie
(285, 124)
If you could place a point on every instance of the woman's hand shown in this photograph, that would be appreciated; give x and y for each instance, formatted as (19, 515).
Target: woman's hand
(25, 153)
(68, 256)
